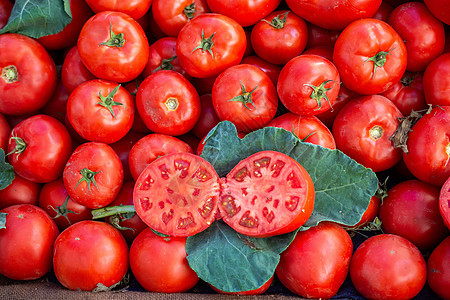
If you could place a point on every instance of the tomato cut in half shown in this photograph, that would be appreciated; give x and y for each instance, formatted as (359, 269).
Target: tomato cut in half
(177, 194)
(266, 194)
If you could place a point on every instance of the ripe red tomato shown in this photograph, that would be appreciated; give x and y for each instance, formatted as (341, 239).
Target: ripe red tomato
(444, 203)
(266, 194)
(39, 147)
(5, 131)
(245, 12)
(370, 214)
(177, 194)
(5, 12)
(101, 111)
(28, 75)
(411, 210)
(74, 72)
(113, 46)
(208, 117)
(319, 36)
(436, 82)
(279, 37)
(134, 8)
(245, 95)
(316, 263)
(388, 266)
(159, 263)
(210, 43)
(93, 175)
(307, 128)
(168, 103)
(56, 106)
(26, 243)
(89, 253)
(439, 269)
(171, 16)
(54, 199)
(333, 14)
(362, 130)
(308, 84)
(440, 9)
(370, 56)
(272, 70)
(324, 51)
(429, 147)
(407, 20)
(20, 191)
(123, 148)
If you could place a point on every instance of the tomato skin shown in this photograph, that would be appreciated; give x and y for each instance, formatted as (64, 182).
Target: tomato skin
(177, 194)
(168, 103)
(410, 18)
(440, 9)
(96, 157)
(279, 45)
(123, 148)
(333, 14)
(439, 269)
(32, 75)
(134, 8)
(90, 252)
(436, 82)
(56, 106)
(5, 11)
(119, 64)
(26, 243)
(444, 203)
(229, 44)
(411, 210)
(267, 175)
(387, 266)
(53, 195)
(246, 13)
(317, 262)
(20, 191)
(309, 127)
(94, 121)
(324, 51)
(247, 114)
(294, 82)
(159, 263)
(48, 147)
(362, 129)
(428, 143)
(74, 72)
(272, 70)
(170, 16)
(364, 39)
(5, 131)
(208, 117)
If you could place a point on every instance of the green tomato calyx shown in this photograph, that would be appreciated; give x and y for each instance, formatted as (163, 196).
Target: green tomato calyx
(63, 211)
(166, 64)
(206, 44)
(189, 10)
(245, 97)
(10, 74)
(20, 146)
(379, 60)
(108, 101)
(320, 92)
(88, 176)
(115, 40)
(278, 22)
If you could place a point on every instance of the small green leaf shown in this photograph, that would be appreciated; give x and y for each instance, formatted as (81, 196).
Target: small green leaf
(37, 18)
(3, 220)
(233, 262)
(7, 174)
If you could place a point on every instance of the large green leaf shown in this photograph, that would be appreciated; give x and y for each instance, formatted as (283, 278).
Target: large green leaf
(233, 262)
(36, 18)
(7, 174)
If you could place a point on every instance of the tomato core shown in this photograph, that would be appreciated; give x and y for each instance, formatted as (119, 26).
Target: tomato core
(376, 132)
(10, 74)
(172, 104)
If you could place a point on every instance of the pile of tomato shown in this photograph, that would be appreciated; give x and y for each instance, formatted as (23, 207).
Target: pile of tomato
(113, 111)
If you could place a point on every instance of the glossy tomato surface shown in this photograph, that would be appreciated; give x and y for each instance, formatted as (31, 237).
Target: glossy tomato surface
(438, 265)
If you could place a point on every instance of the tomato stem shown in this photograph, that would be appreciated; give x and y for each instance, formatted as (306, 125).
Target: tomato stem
(379, 60)
(245, 97)
(206, 44)
(112, 210)
(320, 92)
(278, 22)
(189, 10)
(89, 177)
(20, 145)
(166, 64)
(108, 101)
(115, 40)
(10, 74)
(63, 210)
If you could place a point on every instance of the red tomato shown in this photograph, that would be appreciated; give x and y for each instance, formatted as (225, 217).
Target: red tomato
(319, 36)
(245, 12)
(272, 70)
(54, 199)
(383, 11)
(333, 14)
(208, 117)
(88, 253)
(245, 95)
(101, 111)
(123, 148)
(436, 82)
(279, 37)
(56, 106)
(209, 44)
(316, 263)
(5, 11)
(370, 56)
(74, 72)
(411, 210)
(258, 291)
(20, 191)
(444, 203)
(138, 123)
(266, 194)
(113, 46)
(5, 131)
(388, 266)
(168, 103)
(80, 13)
(159, 263)
(308, 85)
(28, 75)
(26, 243)
(171, 16)
(324, 51)
(177, 194)
(429, 147)
(439, 269)
(307, 128)
(407, 20)
(370, 214)
(93, 175)
(134, 8)
(440, 9)
(362, 130)
(38, 148)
